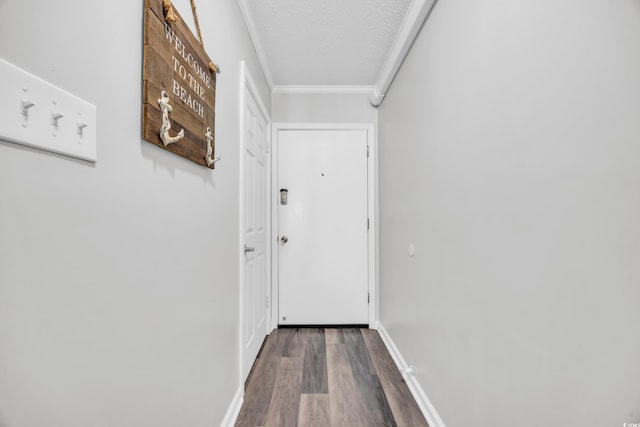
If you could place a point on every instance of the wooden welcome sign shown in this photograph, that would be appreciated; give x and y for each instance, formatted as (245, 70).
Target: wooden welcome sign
(179, 94)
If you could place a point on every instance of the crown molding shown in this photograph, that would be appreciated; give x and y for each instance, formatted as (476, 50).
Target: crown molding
(322, 89)
(416, 16)
(255, 39)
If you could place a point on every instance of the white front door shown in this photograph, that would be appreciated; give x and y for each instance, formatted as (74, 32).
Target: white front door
(254, 219)
(323, 261)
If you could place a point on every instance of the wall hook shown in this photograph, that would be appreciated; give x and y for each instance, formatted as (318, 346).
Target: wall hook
(214, 68)
(167, 139)
(209, 157)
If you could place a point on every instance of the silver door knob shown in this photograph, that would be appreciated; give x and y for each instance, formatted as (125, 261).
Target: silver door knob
(284, 240)
(248, 249)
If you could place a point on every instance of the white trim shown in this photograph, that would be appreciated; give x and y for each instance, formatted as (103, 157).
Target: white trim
(372, 184)
(253, 89)
(373, 236)
(275, 258)
(416, 16)
(429, 412)
(323, 89)
(374, 208)
(245, 10)
(249, 88)
(234, 409)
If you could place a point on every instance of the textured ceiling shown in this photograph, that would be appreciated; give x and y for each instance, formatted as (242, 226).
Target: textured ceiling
(327, 42)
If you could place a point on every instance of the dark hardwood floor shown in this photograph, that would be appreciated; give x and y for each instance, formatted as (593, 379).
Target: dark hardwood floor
(327, 377)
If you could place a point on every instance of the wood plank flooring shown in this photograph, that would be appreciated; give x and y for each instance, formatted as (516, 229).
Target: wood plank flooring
(315, 377)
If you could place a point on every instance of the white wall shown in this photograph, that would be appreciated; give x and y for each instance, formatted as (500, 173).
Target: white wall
(323, 108)
(119, 281)
(510, 157)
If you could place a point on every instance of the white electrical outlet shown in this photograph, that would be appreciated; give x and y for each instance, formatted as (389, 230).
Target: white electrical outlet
(38, 114)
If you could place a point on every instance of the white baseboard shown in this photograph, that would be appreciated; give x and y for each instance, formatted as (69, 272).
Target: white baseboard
(234, 409)
(416, 389)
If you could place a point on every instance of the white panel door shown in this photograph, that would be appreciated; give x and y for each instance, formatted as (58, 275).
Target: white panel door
(323, 259)
(254, 232)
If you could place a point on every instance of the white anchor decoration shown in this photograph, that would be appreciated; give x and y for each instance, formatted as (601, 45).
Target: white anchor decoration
(209, 157)
(166, 123)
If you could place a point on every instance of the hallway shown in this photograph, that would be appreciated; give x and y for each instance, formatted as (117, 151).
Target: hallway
(327, 377)
(503, 214)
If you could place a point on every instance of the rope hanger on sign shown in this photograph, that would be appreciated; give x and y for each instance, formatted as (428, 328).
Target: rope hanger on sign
(170, 15)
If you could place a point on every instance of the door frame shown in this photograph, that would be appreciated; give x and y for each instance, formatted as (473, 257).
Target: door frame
(372, 212)
(248, 88)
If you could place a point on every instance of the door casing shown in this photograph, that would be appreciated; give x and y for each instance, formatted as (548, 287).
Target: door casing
(372, 208)
(249, 88)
